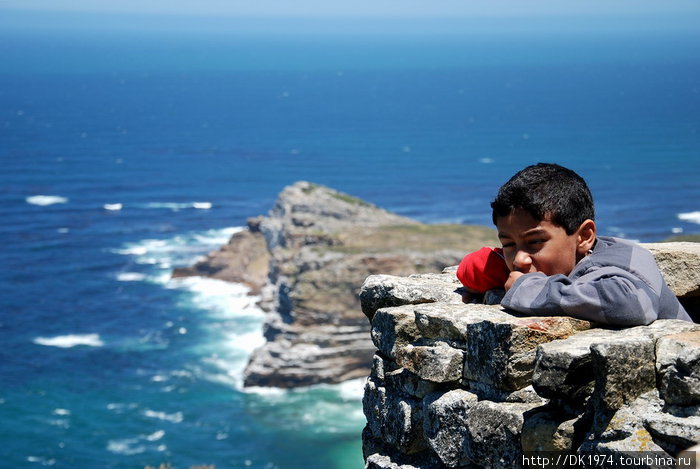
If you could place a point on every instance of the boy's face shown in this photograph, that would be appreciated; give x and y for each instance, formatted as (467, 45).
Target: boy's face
(531, 245)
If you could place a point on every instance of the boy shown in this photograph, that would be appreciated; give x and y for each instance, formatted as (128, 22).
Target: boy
(558, 266)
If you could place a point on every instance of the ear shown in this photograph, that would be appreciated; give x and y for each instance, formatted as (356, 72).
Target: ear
(585, 237)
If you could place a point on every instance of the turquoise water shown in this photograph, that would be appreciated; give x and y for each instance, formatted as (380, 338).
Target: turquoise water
(126, 156)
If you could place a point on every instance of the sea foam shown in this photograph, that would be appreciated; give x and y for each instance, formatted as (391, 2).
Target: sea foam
(179, 250)
(693, 217)
(44, 200)
(175, 417)
(233, 323)
(130, 277)
(71, 340)
(177, 206)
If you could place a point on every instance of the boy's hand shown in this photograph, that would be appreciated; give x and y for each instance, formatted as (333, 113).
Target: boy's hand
(515, 275)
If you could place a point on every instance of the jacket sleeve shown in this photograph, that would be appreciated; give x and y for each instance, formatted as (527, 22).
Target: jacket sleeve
(607, 295)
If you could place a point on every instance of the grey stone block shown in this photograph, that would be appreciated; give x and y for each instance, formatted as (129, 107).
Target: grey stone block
(673, 434)
(395, 419)
(501, 348)
(393, 328)
(409, 383)
(678, 367)
(564, 368)
(439, 363)
(550, 428)
(494, 432)
(444, 424)
(381, 291)
(679, 264)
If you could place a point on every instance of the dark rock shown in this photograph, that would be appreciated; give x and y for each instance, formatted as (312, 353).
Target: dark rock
(245, 259)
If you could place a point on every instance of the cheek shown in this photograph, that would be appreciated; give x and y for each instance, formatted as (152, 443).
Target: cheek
(555, 262)
(508, 257)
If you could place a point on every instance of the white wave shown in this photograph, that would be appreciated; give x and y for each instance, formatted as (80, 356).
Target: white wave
(120, 407)
(352, 390)
(132, 251)
(61, 412)
(113, 207)
(177, 206)
(231, 319)
(71, 340)
(179, 250)
(265, 391)
(693, 217)
(219, 298)
(174, 417)
(130, 277)
(486, 160)
(44, 200)
(127, 446)
(138, 445)
(42, 460)
(234, 326)
(245, 342)
(155, 436)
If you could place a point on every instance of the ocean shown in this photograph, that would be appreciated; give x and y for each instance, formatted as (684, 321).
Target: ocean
(126, 155)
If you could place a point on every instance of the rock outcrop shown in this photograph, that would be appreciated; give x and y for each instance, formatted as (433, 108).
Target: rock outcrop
(307, 259)
(475, 386)
(244, 259)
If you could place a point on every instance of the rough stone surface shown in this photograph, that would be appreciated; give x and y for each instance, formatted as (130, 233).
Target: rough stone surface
(445, 424)
(528, 384)
(439, 363)
(564, 368)
(493, 434)
(673, 434)
(549, 428)
(379, 291)
(410, 383)
(395, 419)
(448, 322)
(679, 264)
(624, 369)
(501, 350)
(625, 430)
(678, 366)
(394, 328)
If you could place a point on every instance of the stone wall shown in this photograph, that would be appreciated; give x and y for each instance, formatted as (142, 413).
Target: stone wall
(474, 386)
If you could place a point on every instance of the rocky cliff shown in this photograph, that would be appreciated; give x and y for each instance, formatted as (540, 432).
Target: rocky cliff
(474, 386)
(307, 259)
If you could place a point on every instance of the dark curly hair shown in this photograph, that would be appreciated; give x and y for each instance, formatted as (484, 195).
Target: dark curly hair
(547, 190)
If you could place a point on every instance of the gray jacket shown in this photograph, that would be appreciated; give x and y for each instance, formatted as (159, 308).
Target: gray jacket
(617, 284)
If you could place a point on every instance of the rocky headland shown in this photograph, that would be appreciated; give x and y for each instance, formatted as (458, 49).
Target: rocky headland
(307, 260)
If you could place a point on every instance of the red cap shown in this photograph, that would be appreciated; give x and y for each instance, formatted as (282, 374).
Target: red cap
(483, 270)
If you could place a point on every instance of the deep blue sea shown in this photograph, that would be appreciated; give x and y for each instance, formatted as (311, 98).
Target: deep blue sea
(125, 155)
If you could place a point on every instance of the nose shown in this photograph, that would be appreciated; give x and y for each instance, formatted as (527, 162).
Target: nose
(522, 262)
